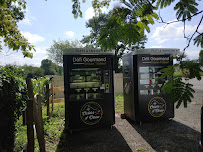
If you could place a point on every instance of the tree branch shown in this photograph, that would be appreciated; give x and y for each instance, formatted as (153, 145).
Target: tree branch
(196, 31)
(177, 20)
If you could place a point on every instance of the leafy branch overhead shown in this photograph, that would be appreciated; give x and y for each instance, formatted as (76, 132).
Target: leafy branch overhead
(11, 11)
(145, 11)
(180, 89)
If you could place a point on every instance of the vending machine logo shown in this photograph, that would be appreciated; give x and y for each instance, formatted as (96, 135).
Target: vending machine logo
(91, 113)
(157, 106)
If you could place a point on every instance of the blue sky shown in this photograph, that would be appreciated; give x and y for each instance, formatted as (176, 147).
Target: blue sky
(50, 20)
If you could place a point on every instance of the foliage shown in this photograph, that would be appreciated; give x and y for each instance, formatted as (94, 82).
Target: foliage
(145, 10)
(51, 68)
(179, 88)
(12, 79)
(11, 11)
(201, 57)
(180, 92)
(13, 94)
(39, 86)
(55, 52)
(96, 25)
(33, 71)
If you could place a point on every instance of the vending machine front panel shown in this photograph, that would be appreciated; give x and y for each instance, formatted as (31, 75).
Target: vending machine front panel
(153, 102)
(142, 83)
(89, 91)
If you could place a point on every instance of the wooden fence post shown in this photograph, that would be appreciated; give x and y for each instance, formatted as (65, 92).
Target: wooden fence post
(30, 129)
(38, 123)
(33, 114)
(47, 99)
(52, 97)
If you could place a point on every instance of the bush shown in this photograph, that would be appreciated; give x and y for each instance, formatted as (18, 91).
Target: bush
(39, 86)
(13, 94)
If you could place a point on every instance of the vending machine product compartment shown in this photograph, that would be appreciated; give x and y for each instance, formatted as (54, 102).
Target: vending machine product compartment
(85, 84)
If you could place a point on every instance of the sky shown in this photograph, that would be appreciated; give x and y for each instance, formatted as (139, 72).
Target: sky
(49, 20)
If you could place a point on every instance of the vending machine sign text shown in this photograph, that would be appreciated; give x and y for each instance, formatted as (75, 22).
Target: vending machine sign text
(86, 60)
(155, 59)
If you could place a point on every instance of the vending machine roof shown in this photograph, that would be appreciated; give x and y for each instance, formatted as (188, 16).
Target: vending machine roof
(157, 51)
(87, 51)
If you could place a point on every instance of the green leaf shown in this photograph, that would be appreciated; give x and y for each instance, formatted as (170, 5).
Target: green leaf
(164, 3)
(185, 9)
(198, 40)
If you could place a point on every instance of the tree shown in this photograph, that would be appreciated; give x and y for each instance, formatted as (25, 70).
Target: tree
(51, 68)
(55, 52)
(96, 24)
(115, 30)
(48, 67)
(201, 57)
(33, 72)
(11, 11)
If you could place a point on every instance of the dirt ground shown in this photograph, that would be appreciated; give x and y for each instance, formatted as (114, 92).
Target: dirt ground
(181, 134)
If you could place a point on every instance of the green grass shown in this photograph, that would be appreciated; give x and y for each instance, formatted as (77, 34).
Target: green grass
(119, 103)
(52, 128)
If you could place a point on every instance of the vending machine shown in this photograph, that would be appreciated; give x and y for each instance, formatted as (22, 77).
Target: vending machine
(143, 98)
(88, 88)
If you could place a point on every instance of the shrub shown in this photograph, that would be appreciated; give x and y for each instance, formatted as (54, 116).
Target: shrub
(13, 94)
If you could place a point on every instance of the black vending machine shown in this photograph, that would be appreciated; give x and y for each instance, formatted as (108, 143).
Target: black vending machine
(88, 88)
(143, 98)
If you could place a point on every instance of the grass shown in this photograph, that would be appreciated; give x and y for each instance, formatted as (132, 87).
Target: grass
(53, 128)
(119, 103)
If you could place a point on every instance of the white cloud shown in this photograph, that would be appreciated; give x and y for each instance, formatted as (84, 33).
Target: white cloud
(159, 40)
(32, 38)
(89, 13)
(70, 34)
(172, 31)
(40, 50)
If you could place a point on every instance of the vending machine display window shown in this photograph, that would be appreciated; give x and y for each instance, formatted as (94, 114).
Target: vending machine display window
(85, 84)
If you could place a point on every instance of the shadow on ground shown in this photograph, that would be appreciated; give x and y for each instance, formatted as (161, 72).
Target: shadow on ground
(169, 135)
(93, 140)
